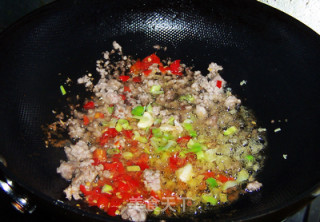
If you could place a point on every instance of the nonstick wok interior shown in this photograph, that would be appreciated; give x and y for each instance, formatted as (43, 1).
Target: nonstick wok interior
(276, 55)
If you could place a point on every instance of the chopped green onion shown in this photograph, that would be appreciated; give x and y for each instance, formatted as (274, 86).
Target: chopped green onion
(193, 133)
(250, 158)
(123, 123)
(157, 132)
(110, 109)
(211, 182)
(167, 136)
(170, 144)
(156, 89)
(231, 130)
(149, 108)
(187, 126)
(105, 123)
(171, 120)
(242, 176)
(139, 138)
(63, 91)
(157, 121)
(127, 155)
(113, 122)
(182, 155)
(188, 98)
(113, 151)
(200, 155)
(194, 148)
(158, 142)
(119, 127)
(157, 211)
(137, 111)
(146, 120)
(229, 184)
(106, 188)
(133, 168)
(209, 199)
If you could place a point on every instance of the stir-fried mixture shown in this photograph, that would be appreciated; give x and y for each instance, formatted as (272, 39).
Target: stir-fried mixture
(158, 138)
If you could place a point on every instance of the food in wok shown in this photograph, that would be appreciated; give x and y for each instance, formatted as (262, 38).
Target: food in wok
(158, 138)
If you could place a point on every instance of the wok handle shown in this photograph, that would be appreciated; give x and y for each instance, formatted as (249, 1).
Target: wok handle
(19, 201)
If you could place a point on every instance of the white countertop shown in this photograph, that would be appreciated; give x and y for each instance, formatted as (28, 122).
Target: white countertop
(306, 11)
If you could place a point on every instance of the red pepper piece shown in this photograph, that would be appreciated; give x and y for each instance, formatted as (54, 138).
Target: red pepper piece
(86, 120)
(149, 60)
(176, 162)
(89, 105)
(175, 68)
(110, 133)
(100, 155)
(219, 84)
(98, 115)
(123, 97)
(136, 79)
(208, 175)
(93, 199)
(162, 69)
(128, 133)
(103, 202)
(184, 139)
(124, 78)
(222, 178)
(126, 89)
(147, 72)
(136, 68)
(115, 167)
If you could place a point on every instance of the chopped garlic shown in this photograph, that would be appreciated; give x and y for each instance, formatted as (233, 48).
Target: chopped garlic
(185, 173)
(277, 130)
(243, 82)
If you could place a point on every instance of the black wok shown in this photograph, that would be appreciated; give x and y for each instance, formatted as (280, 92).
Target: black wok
(277, 55)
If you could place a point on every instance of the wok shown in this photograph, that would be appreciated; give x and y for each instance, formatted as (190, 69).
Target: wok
(277, 55)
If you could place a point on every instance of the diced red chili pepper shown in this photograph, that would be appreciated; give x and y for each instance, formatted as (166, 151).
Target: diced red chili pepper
(123, 97)
(112, 210)
(103, 202)
(149, 60)
(89, 105)
(93, 199)
(176, 162)
(84, 190)
(136, 79)
(143, 157)
(128, 133)
(147, 72)
(116, 157)
(222, 178)
(124, 78)
(136, 68)
(175, 67)
(86, 120)
(98, 115)
(100, 155)
(110, 133)
(219, 84)
(163, 70)
(126, 89)
(115, 167)
(208, 175)
(191, 157)
(143, 165)
(184, 139)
